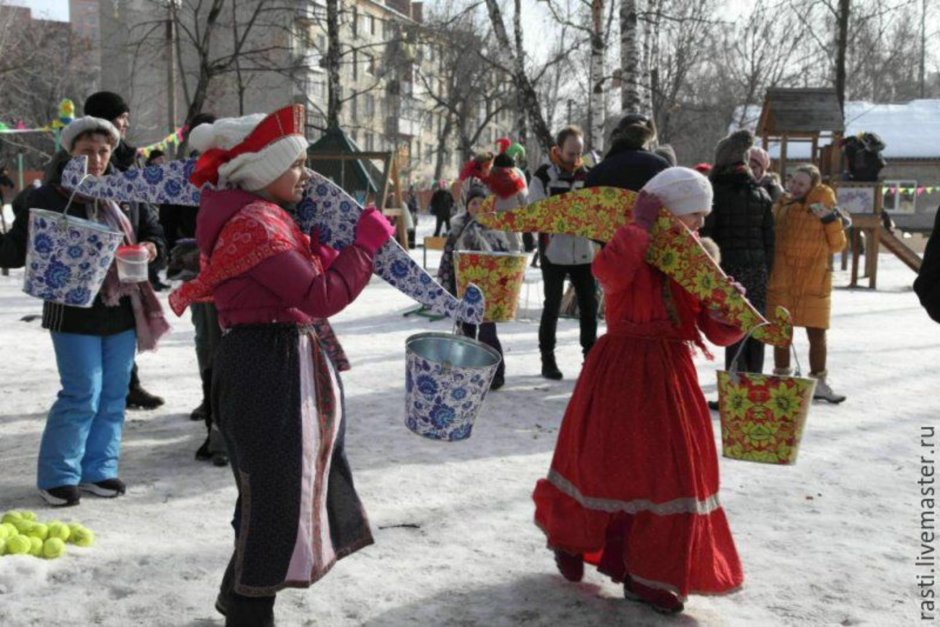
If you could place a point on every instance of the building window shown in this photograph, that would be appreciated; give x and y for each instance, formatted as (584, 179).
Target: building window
(355, 21)
(900, 196)
(370, 105)
(355, 65)
(418, 151)
(371, 24)
(370, 65)
(370, 142)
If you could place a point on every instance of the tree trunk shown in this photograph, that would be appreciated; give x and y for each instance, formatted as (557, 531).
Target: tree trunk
(596, 107)
(205, 75)
(529, 99)
(842, 38)
(442, 146)
(332, 64)
(521, 123)
(630, 98)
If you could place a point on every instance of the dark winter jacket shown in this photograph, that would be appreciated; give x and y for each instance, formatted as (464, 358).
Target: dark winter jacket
(927, 283)
(442, 202)
(626, 168)
(742, 220)
(98, 319)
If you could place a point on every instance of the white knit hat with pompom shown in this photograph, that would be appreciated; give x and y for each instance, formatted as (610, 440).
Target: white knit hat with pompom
(681, 190)
(250, 171)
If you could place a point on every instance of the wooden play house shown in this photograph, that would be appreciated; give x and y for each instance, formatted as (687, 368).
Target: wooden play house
(813, 116)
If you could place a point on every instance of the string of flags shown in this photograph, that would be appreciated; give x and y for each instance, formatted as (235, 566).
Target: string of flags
(66, 115)
(910, 190)
(173, 139)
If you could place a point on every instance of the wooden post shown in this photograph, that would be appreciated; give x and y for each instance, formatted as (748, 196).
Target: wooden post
(783, 159)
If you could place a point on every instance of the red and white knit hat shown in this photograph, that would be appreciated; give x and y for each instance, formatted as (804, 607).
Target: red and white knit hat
(249, 152)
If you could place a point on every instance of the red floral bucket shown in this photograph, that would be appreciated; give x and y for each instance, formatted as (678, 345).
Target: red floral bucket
(499, 276)
(762, 416)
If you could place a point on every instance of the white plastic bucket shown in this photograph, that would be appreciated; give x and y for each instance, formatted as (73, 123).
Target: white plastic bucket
(132, 263)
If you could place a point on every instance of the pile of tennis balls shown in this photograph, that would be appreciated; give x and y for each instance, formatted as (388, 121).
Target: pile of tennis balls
(22, 534)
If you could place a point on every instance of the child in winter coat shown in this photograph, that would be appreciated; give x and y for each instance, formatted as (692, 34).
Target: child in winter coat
(275, 391)
(468, 234)
(633, 485)
(809, 230)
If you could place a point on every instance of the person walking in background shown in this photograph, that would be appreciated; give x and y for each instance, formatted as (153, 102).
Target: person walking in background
(442, 203)
(110, 106)
(564, 256)
(809, 230)
(742, 224)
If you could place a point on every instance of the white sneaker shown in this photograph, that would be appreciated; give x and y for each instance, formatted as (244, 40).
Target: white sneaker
(824, 392)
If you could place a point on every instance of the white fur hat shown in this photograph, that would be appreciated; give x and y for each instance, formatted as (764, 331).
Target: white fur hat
(264, 145)
(682, 190)
(88, 123)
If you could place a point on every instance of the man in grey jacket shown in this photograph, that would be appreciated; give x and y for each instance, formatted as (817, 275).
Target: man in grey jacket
(564, 255)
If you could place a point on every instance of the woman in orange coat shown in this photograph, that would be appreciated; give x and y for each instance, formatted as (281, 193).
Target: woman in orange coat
(808, 232)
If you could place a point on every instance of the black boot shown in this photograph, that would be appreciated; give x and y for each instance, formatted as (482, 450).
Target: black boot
(139, 398)
(550, 368)
(245, 611)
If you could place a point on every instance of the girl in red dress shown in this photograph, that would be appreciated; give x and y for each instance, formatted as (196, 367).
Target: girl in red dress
(633, 485)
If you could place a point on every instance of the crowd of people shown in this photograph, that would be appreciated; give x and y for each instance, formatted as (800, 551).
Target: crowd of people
(633, 483)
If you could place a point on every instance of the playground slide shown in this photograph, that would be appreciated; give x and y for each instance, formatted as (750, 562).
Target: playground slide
(911, 259)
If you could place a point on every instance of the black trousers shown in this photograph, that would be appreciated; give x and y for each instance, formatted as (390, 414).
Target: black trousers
(486, 333)
(752, 357)
(583, 281)
(440, 222)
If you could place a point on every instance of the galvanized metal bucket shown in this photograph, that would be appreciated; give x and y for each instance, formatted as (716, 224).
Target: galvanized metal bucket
(447, 377)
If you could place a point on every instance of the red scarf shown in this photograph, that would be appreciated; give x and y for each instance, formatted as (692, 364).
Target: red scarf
(259, 231)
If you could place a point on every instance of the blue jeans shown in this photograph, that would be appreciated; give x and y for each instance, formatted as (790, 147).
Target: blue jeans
(82, 438)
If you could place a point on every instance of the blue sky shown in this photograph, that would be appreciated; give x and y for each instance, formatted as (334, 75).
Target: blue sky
(49, 9)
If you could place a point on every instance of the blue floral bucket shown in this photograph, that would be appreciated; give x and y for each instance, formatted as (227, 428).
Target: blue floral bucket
(67, 258)
(447, 377)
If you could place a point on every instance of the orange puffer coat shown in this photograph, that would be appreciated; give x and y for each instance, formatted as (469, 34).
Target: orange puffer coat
(801, 280)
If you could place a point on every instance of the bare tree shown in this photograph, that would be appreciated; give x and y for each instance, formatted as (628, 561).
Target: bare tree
(521, 82)
(631, 73)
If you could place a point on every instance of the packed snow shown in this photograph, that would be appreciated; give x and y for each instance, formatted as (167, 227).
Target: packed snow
(831, 540)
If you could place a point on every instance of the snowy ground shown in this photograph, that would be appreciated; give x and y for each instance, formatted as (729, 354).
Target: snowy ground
(831, 540)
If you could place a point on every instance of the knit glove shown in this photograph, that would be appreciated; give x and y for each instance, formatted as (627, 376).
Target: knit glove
(372, 230)
(327, 254)
(646, 209)
(720, 314)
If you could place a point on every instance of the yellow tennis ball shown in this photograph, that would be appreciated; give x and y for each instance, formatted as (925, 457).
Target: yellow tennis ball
(59, 530)
(28, 515)
(8, 530)
(11, 517)
(23, 526)
(18, 545)
(38, 530)
(35, 547)
(53, 548)
(82, 536)
(3, 546)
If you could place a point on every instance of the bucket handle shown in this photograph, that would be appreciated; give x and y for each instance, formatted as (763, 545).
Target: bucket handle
(68, 205)
(733, 369)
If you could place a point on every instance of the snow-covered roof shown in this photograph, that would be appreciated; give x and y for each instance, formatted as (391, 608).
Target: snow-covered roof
(909, 131)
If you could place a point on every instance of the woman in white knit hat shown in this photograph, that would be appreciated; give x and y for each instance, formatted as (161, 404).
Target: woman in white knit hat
(633, 485)
(275, 392)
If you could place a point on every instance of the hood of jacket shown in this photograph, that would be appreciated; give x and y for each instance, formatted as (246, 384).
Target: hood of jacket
(216, 208)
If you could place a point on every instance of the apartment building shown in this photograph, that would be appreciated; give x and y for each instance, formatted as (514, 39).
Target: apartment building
(390, 65)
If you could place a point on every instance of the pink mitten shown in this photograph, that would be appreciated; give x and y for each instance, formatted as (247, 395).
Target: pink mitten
(741, 289)
(326, 253)
(372, 230)
(646, 209)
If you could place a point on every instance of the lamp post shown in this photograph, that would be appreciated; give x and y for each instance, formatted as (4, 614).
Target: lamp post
(171, 7)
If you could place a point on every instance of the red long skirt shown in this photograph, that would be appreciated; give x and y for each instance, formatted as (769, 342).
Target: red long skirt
(633, 484)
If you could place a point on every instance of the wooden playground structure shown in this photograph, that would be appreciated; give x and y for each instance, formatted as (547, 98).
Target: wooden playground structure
(812, 115)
